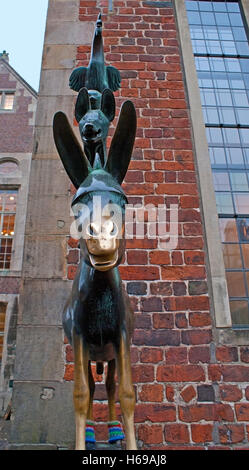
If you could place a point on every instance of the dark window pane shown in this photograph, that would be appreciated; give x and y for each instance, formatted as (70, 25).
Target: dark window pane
(235, 284)
(239, 312)
(228, 230)
(232, 256)
(243, 229)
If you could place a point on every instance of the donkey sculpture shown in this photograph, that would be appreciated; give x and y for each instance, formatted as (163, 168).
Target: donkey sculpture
(97, 319)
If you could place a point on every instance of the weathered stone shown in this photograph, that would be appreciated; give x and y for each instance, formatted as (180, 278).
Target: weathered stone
(35, 419)
(45, 346)
(45, 256)
(42, 301)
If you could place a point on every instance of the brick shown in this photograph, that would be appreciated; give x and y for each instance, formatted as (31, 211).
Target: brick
(137, 257)
(226, 354)
(247, 393)
(231, 433)
(161, 288)
(159, 257)
(197, 287)
(137, 288)
(242, 411)
(73, 257)
(176, 258)
(176, 355)
(156, 338)
(230, 393)
(188, 393)
(205, 393)
(69, 354)
(142, 321)
(156, 413)
(201, 433)
(195, 337)
(180, 373)
(152, 434)
(151, 393)
(177, 433)
(71, 271)
(199, 354)
(151, 304)
(170, 393)
(194, 257)
(143, 373)
(244, 354)
(206, 412)
(163, 320)
(199, 319)
(179, 288)
(153, 355)
(178, 273)
(139, 273)
(69, 372)
(181, 320)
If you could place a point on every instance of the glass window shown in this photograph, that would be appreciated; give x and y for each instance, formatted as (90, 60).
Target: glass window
(235, 157)
(235, 19)
(8, 167)
(245, 252)
(7, 100)
(222, 19)
(239, 181)
(239, 34)
(243, 229)
(221, 181)
(240, 98)
(241, 203)
(8, 200)
(232, 256)
(236, 284)
(219, 6)
(217, 155)
(205, 6)
(224, 203)
(228, 230)
(194, 17)
(239, 312)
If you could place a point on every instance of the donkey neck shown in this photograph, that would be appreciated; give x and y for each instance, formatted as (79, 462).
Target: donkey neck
(90, 278)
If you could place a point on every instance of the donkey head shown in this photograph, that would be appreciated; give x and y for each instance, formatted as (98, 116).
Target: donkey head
(99, 203)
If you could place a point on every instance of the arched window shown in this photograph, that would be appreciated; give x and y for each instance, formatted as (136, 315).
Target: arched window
(7, 167)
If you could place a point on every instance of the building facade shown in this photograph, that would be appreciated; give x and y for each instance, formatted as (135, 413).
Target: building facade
(17, 118)
(184, 66)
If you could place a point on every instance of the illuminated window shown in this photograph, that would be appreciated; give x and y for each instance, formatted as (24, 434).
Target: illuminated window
(8, 200)
(221, 51)
(2, 324)
(7, 100)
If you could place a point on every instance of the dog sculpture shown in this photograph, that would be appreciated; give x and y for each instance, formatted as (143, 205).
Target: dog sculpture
(98, 320)
(94, 112)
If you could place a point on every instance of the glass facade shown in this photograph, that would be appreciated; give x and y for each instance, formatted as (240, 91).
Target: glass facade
(221, 51)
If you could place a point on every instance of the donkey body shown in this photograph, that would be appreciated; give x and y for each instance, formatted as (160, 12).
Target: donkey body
(98, 319)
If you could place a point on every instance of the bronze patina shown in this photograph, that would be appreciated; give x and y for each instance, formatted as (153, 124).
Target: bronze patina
(98, 319)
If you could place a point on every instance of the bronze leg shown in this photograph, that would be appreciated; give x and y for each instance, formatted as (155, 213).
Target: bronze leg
(110, 388)
(126, 391)
(92, 388)
(81, 389)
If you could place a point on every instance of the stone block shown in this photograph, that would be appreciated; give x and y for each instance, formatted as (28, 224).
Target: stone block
(45, 256)
(63, 10)
(39, 420)
(55, 82)
(52, 214)
(47, 107)
(45, 346)
(69, 32)
(42, 301)
(59, 56)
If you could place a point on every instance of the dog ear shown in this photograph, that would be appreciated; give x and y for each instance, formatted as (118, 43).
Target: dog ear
(122, 143)
(82, 104)
(108, 106)
(71, 153)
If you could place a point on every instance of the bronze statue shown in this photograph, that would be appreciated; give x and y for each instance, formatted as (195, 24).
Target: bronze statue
(98, 319)
(96, 76)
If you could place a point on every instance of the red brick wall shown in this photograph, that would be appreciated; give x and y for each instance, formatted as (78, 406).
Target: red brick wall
(16, 134)
(190, 391)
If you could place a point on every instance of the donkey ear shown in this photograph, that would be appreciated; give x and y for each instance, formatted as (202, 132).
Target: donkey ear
(108, 106)
(71, 154)
(122, 143)
(82, 104)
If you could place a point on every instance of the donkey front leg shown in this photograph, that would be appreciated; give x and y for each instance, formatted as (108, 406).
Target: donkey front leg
(126, 391)
(81, 389)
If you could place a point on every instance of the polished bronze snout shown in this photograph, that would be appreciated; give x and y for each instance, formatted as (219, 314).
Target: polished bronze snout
(102, 244)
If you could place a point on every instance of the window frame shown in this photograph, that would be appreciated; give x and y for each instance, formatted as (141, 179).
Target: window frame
(3, 93)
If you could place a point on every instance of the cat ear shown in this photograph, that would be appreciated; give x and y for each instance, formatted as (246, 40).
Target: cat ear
(108, 106)
(72, 156)
(82, 104)
(122, 143)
